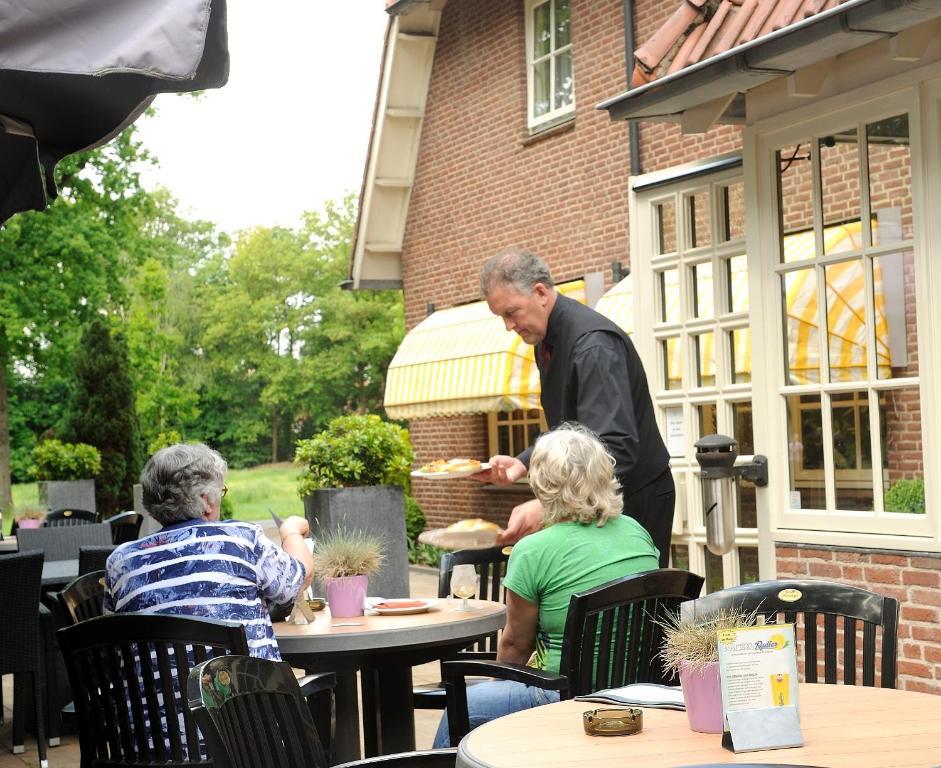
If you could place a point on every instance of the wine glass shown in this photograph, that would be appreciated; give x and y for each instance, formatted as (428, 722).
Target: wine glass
(464, 584)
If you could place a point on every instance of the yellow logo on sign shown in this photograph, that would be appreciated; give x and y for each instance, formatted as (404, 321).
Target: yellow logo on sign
(790, 595)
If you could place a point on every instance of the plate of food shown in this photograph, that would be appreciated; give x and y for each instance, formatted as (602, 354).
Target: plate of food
(474, 533)
(448, 469)
(402, 607)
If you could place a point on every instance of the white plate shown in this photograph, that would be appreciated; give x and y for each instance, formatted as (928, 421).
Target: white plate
(447, 475)
(425, 605)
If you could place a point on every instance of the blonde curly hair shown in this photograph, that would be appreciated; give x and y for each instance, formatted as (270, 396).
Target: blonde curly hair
(572, 475)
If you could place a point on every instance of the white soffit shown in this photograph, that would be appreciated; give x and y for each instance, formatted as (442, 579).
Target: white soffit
(393, 145)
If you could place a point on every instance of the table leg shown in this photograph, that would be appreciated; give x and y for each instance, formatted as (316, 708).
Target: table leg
(346, 740)
(388, 711)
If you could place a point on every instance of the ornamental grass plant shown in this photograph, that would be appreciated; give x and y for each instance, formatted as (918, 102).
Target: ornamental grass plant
(342, 553)
(695, 641)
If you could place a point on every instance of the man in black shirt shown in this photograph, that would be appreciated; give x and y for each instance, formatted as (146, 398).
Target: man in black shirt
(590, 373)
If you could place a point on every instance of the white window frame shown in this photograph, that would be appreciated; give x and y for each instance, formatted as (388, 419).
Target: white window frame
(865, 105)
(553, 116)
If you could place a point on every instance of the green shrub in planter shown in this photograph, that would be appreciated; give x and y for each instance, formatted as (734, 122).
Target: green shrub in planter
(415, 521)
(906, 496)
(355, 451)
(55, 460)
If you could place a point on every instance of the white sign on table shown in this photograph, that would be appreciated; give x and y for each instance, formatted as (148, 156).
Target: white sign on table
(758, 671)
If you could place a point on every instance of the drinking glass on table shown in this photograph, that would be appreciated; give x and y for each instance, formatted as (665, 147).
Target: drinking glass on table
(464, 584)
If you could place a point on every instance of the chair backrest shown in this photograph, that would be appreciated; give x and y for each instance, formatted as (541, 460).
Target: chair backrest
(93, 558)
(814, 607)
(128, 673)
(20, 644)
(83, 598)
(58, 518)
(491, 567)
(431, 758)
(125, 527)
(62, 543)
(620, 622)
(254, 708)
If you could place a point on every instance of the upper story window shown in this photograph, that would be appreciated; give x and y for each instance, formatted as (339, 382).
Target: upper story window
(549, 77)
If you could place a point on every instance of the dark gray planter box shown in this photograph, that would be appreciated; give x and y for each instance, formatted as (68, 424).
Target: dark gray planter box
(375, 509)
(149, 525)
(67, 494)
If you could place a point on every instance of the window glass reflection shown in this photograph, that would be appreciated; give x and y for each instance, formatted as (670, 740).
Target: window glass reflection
(889, 157)
(703, 300)
(839, 183)
(802, 346)
(795, 193)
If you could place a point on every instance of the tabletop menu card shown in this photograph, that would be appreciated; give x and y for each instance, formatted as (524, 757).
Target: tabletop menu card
(758, 671)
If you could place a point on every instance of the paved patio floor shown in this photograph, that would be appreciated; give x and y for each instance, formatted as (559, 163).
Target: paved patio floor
(423, 582)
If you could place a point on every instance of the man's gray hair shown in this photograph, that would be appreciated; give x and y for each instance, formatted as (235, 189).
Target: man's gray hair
(516, 268)
(176, 478)
(572, 475)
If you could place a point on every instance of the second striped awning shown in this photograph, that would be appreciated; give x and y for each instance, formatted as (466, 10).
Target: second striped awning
(463, 360)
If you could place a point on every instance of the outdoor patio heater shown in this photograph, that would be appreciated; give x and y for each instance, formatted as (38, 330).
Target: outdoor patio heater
(721, 467)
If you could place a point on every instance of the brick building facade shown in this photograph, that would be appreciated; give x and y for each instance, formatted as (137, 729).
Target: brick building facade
(483, 181)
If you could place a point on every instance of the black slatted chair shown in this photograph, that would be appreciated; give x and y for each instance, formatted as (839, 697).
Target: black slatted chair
(125, 527)
(82, 599)
(491, 567)
(59, 518)
(255, 710)
(22, 650)
(623, 617)
(93, 558)
(838, 616)
(128, 671)
(258, 715)
(432, 758)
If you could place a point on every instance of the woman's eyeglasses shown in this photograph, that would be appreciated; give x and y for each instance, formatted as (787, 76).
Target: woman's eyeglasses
(225, 490)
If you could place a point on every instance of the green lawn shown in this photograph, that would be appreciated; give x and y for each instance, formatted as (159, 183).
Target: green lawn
(253, 492)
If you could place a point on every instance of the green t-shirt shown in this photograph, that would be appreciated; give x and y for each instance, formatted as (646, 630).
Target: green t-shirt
(548, 567)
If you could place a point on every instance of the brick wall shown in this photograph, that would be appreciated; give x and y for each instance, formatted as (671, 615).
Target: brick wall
(914, 579)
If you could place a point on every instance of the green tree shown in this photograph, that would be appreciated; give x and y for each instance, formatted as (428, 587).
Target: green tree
(60, 266)
(102, 414)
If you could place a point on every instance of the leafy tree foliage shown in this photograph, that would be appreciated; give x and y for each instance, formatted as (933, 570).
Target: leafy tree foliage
(102, 414)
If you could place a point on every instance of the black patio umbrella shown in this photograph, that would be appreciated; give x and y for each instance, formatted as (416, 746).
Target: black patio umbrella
(75, 73)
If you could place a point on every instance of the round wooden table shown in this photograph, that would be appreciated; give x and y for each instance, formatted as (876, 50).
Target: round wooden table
(842, 726)
(383, 649)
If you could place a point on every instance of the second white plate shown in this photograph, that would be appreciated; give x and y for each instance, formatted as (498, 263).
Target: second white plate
(449, 475)
(388, 607)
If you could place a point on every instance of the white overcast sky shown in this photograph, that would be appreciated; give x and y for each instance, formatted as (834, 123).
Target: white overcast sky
(290, 129)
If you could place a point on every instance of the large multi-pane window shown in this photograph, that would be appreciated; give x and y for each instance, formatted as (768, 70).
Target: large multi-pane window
(846, 276)
(550, 79)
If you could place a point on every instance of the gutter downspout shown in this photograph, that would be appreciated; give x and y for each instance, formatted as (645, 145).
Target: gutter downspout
(633, 134)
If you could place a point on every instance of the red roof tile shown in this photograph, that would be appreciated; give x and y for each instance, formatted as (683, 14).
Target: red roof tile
(699, 29)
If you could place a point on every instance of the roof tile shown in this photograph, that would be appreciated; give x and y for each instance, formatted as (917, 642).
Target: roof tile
(699, 29)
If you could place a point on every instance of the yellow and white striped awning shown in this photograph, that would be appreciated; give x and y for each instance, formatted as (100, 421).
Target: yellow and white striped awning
(463, 360)
(846, 324)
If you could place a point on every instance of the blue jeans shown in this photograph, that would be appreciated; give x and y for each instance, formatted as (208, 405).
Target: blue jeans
(491, 699)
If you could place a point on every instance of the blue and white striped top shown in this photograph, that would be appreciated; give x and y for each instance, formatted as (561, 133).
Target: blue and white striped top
(217, 570)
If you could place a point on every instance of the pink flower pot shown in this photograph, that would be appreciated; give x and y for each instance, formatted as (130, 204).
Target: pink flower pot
(346, 595)
(28, 523)
(702, 692)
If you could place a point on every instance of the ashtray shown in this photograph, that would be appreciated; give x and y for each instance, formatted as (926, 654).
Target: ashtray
(309, 606)
(620, 721)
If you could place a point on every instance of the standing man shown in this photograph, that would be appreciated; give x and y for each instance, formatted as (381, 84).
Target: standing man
(590, 373)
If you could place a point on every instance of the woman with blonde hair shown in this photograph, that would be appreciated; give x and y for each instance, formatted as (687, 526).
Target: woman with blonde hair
(585, 542)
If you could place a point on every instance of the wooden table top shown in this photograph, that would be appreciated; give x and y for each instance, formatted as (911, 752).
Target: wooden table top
(842, 726)
(438, 625)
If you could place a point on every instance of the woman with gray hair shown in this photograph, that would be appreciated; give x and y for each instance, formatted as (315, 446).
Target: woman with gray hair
(585, 542)
(198, 566)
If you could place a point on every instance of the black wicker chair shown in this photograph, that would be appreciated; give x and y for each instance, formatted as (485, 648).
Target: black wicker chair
(93, 558)
(814, 607)
(22, 650)
(125, 527)
(612, 636)
(63, 543)
(491, 567)
(128, 672)
(59, 518)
